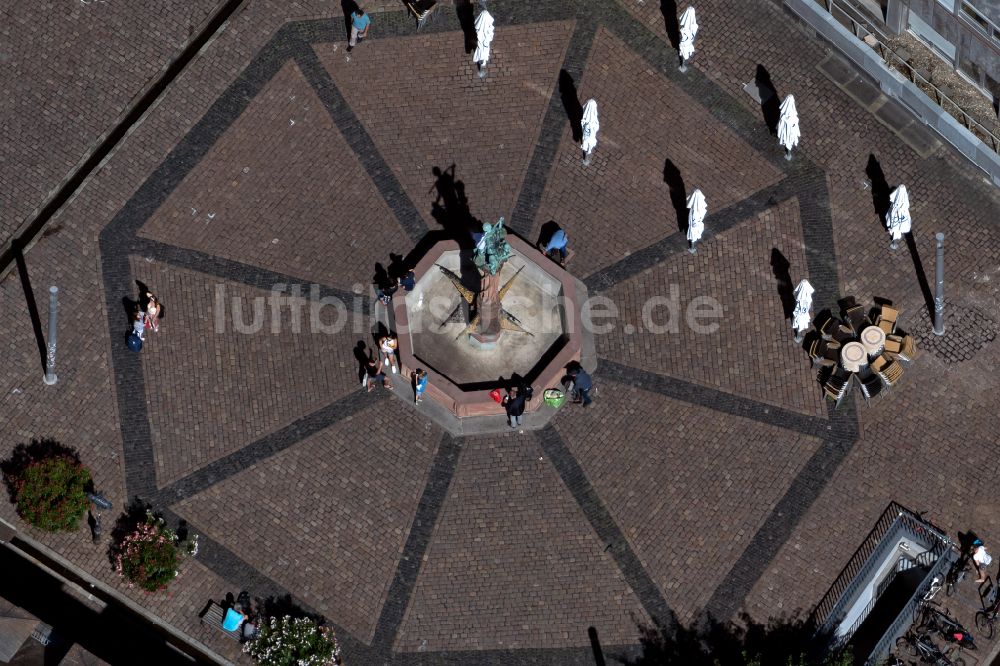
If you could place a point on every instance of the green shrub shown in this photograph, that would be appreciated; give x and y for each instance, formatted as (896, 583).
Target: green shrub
(50, 492)
(288, 641)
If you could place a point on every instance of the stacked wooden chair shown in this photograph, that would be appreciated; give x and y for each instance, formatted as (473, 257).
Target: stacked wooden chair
(824, 352)
(871, 386)
(836, 386)
(887, 319)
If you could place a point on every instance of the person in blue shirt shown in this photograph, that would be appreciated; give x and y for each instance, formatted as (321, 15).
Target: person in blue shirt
(582, 383)
(360, 22)
(419, 385)
(556, 247)
(233, 620)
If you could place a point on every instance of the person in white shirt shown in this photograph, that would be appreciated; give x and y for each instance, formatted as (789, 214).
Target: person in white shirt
(980, 559)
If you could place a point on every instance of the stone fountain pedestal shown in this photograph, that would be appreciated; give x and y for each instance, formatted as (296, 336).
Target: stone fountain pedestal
(432, 321)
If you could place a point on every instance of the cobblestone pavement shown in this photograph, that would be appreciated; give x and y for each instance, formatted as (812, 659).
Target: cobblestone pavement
(709, 475)
(69, 72)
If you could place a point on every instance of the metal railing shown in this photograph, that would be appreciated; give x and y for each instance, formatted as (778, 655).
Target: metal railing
(895, 521)
(952, 107)
(924, 559)
(864, 28)
(905, 618)
(849, 574)
(861, 26)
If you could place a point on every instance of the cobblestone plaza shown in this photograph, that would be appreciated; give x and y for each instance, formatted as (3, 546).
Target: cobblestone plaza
(709, 475)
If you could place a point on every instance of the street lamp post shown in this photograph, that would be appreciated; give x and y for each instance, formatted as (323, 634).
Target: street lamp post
(50, 355)
(939, 286)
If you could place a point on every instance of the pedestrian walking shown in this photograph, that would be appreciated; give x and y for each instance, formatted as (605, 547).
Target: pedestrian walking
(514, 403)
(360, 23)
(419, 385)
(556, 247)
(135, 337)
(374, 371)
(582, 384)
(151, 315)
(980, 559)
(139, 324)
(387, 345)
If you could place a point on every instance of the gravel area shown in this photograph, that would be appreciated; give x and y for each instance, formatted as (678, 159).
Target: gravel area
(961, 95)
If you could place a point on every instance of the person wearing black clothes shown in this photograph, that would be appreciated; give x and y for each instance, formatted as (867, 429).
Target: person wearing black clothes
(514, 403)
(373, 370)
(385, 286)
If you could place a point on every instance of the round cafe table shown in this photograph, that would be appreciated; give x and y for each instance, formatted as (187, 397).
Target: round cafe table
(873, 340)
(853, 356)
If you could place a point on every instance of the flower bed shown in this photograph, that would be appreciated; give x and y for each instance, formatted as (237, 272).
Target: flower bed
(150, 555)
(287, 641)
(50, 492)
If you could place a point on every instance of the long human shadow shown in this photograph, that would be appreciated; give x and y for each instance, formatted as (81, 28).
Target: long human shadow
(348, 7)
(770, 101)
(465, 12)
(362, 354)
(571, 102)
(669, 10)
(918, 267)
(29, 299)
(880, 188)
(678, 193)
(780, 267)
(595, 647)
(451, 210)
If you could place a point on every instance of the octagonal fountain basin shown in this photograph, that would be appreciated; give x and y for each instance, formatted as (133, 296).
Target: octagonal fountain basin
(542, 327)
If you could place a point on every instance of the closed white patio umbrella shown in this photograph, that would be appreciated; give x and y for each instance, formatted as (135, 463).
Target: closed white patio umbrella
(590, 125)
(484, 39)
(689, 28)
(898, 219)
(803, 304)
(697, 208)
(788, 126)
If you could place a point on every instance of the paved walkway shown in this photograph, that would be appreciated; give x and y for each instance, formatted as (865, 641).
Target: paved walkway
(708, 475)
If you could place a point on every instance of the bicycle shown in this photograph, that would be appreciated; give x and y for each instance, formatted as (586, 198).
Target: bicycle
(934, 620)
(986, 618)
(956, 574)
(920, 645)
(927, 599)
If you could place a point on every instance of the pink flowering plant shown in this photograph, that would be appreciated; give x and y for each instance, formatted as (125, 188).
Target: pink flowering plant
(288, 641)
(150, 555)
